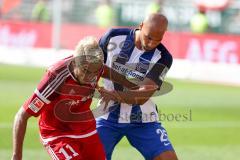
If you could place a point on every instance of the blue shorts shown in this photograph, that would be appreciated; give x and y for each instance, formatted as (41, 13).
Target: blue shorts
(150, 139)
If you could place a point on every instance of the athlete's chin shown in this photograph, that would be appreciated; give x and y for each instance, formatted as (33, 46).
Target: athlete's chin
(147, 48)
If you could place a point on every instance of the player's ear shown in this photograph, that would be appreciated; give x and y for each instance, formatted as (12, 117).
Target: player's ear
(75, 68)
(141, 25)
(77, 71)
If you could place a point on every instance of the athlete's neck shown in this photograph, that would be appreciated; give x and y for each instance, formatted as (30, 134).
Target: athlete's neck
(137, 40)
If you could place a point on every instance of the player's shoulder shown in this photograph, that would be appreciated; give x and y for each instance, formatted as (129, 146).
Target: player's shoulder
(60, 66)
(164, 51)
(166, 56)
(110, 35)
(118, 32)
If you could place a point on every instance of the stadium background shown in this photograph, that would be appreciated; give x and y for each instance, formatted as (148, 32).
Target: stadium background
(205, 72)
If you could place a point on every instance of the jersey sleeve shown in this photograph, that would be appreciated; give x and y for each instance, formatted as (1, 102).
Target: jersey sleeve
(160, 69)
(42, 95)
(104, 40)
(103, 43)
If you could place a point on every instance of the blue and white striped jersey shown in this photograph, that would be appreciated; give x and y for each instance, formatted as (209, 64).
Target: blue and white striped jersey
(123, 56)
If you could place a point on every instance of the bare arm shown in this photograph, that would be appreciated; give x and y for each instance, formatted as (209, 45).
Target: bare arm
(19, 129)
(135, 96)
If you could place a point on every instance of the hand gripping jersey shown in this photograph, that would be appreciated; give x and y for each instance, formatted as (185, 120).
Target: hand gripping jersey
(123, 56)
(62, 104)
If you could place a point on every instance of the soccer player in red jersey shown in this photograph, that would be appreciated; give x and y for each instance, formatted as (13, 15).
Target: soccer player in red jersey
(62, 101)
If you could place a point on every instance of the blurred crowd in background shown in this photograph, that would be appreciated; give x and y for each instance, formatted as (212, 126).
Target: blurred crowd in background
(198, 16)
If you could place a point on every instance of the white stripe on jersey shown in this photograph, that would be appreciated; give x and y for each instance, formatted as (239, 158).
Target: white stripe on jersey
(46, 140)
(116, 41)
(55, 83)
(108, 85)
(149, 113)
(50, 84)
(125, 113)
(58, 83)
(52, 154)
(155, 58)
(41, 96)
(135, 57)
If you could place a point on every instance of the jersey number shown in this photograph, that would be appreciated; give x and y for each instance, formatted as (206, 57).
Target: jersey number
(66, 155)
(163, 136)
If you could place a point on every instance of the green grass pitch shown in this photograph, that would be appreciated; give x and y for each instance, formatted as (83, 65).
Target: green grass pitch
(211, 134)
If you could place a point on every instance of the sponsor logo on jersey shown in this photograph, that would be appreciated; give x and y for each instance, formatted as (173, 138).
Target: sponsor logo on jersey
(72, 92)
(36, 105)
(142, 67)
(122, 58)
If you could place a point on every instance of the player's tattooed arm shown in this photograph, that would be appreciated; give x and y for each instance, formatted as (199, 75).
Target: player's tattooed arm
(19, 130)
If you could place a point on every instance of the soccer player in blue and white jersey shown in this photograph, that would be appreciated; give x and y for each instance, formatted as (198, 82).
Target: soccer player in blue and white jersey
(139, 55)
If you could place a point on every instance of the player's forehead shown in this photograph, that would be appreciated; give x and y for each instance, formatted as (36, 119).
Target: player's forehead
(154, 32)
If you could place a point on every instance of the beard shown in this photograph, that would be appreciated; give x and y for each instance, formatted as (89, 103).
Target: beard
(146, 48)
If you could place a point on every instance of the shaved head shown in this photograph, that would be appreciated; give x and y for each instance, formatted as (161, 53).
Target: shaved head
(156, 21)
(151, 31)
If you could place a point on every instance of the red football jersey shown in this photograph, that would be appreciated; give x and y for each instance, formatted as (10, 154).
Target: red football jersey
(62, 104)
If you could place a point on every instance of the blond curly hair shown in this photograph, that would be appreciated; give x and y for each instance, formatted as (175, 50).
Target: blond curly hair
(88, 51)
